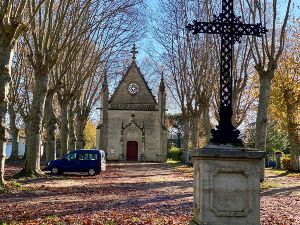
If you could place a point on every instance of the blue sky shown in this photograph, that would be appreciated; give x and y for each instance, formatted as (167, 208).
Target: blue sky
(154, 4)
(148, 41)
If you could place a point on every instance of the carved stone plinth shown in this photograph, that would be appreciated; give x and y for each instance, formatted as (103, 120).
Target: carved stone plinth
(226, 186)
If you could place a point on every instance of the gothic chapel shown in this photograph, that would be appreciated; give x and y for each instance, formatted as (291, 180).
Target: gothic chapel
(132, 123)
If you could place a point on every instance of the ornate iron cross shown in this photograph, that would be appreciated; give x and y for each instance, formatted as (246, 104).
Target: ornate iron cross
(231, 30)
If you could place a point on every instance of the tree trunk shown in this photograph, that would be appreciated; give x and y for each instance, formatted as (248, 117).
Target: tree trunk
(35, 117)
(206, 123)
(185, 139)
(26, 135)
(72, 137)
(195, 131)
(50, 126)
(265, 79)
(6, 54)
(80, 125)
(293, 132)
(14, 131)
(64, 131)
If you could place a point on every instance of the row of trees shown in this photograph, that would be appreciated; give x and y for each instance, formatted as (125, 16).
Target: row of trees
(63, 52)
(192, 62)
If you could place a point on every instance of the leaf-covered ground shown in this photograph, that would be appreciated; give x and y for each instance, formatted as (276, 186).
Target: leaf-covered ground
(130, 193)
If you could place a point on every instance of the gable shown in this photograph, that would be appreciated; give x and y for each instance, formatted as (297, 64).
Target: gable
(134, 79)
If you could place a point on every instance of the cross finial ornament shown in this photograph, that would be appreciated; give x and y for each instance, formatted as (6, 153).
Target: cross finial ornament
(134, 51)
(162, 87)
(231, 29)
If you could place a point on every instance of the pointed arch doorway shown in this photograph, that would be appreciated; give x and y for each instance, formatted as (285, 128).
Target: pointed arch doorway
(132, 151)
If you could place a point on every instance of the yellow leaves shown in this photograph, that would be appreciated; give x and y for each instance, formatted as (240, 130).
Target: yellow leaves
(285, 87)
(90, 135)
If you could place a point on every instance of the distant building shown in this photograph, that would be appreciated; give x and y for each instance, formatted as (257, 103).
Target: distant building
(21, 147)
(132, 123)
(174, 139)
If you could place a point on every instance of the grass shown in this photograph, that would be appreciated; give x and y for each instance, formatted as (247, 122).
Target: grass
(269, 184)
(174, 163)
(13, 186)
(181, 167)
(281, 172)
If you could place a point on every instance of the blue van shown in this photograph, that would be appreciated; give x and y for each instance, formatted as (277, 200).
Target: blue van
(91, 161)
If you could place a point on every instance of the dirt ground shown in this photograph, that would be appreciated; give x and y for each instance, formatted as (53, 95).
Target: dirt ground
(131, 193)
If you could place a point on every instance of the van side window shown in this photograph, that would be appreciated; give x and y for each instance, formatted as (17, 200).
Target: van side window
(93, 156)
(81, 156)
(71, 156)
(87, 156)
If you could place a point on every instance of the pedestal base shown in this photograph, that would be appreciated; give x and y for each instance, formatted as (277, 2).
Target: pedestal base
(226, 186)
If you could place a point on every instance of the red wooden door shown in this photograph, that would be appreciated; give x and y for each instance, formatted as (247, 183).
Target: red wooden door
(132, 151)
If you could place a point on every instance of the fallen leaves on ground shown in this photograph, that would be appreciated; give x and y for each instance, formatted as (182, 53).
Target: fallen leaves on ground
(127, 194)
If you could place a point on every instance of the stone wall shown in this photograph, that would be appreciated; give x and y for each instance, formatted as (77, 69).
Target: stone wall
(151, 143)
(122, 95)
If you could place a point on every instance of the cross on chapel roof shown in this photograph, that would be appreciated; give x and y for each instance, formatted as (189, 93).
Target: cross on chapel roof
(134, 51)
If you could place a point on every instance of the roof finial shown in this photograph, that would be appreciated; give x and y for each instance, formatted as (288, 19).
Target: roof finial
(105, 83)
(162, 82)
(134, 51)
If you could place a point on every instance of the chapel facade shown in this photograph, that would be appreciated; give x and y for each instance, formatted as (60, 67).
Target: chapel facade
(132, 122)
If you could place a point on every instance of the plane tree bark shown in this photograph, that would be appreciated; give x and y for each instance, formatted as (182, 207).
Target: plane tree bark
(14, 97)
(13, 24)
(51, 32)
(19, 95)
(72, 122)
(50, 127)
(24, 85)
(14, 132)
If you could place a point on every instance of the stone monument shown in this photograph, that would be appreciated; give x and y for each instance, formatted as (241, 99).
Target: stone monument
(226, 175)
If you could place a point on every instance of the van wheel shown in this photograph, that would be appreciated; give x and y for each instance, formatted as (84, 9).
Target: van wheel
(55, 171)
(92, 172)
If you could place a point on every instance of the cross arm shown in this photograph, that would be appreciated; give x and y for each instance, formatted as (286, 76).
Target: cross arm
(249, 29)
(204, 27)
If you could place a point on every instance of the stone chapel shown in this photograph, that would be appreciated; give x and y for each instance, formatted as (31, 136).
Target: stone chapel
(132, 122)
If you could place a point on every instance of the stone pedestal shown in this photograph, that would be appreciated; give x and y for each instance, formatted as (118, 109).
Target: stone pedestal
(226, 186)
